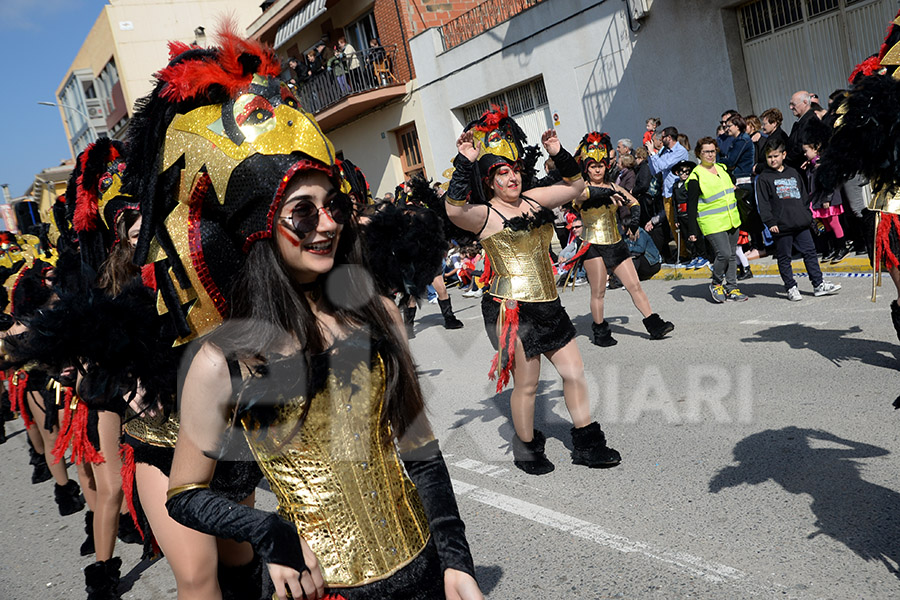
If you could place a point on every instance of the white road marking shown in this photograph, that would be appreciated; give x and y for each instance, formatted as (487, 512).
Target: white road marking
(694, 565)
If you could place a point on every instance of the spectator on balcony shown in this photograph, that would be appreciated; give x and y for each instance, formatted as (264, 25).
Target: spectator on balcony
(351, 60)
(294, 75)
(338, 67)
(377, 63)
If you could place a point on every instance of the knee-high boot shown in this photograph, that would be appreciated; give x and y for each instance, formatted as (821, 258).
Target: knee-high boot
(450, 320)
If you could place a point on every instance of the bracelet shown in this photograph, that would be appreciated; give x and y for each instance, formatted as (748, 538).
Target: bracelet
(453, 202)
(184, 488)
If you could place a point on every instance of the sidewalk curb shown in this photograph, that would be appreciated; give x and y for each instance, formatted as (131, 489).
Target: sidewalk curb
(858, 265)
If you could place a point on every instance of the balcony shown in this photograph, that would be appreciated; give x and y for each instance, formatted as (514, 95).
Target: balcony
(337, 95)
(486, 15)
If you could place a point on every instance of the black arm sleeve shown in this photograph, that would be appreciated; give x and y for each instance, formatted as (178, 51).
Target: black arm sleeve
(428, 472)
(635, 223)
(566, 164)
(273, 538)
(459, 187)
(693, 189)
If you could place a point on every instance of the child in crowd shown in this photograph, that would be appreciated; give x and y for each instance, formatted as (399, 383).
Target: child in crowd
(695, 251)
(652, 124)
(826, 206)
(784, 208)
(470, 271)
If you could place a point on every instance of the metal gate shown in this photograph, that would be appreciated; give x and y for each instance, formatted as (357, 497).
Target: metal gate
(812, 45)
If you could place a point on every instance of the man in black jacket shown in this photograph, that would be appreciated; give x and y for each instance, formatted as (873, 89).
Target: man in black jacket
(784, 208)
(801, 106)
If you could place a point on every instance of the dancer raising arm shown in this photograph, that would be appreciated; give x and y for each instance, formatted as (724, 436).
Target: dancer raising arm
(485, 196)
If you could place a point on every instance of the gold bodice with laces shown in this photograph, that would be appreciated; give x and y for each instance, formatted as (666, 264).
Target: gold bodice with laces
(521, 264)
(339, 479)
(600, 226)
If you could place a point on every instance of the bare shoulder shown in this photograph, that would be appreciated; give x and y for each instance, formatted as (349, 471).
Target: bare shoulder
(209, 365)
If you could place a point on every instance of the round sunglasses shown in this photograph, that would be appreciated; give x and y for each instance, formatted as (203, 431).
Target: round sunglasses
(304, 218)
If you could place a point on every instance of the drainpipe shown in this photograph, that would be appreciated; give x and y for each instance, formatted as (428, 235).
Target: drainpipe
(403, 36)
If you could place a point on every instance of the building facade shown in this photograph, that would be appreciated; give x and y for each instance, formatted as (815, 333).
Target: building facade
(126, 45)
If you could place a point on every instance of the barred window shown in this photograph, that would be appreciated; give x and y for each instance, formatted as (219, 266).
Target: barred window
(518, 100)
(786, 12)
(818, 7)
(755, 19)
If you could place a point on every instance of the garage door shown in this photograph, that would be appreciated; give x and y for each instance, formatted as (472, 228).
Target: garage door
(812, 45)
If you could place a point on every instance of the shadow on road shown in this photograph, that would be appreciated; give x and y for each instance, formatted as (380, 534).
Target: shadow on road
(488, 577)
(617, 325)
(854, 512)
(834, 344)
(496, 407)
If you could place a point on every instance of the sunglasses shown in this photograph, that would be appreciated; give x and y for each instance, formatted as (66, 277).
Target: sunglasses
(304, 217)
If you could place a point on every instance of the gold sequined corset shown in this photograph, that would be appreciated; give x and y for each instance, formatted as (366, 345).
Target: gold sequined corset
(886, 201)
(600, 226)
(151, 431)
(521, 264)
(339, 479)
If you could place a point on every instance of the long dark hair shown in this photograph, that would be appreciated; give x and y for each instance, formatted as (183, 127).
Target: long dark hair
(268, 305)
(118, 269)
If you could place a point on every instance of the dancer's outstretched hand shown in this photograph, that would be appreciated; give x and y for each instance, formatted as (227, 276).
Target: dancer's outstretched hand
(461, 586)
(551, 142)
(466, 146)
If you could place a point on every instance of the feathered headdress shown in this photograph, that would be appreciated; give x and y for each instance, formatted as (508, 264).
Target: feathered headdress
(594, 147)
(96, 188)
(866, 137)
(217, 141)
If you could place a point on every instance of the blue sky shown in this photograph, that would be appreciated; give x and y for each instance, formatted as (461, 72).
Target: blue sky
(38, 41)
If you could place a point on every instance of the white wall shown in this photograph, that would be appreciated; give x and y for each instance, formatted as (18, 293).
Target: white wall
(679, 66)
(371, 144)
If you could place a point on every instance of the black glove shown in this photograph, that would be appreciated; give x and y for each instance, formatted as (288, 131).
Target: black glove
(566, 164)
(273, 538)
(428, 471)
(635, 223)
(460, 184)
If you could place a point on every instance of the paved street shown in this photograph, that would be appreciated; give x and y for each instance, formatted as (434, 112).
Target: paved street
(759, 458)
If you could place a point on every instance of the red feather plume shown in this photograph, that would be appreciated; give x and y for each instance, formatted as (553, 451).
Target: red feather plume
(87, 213)
(192, 78)
(491, 118)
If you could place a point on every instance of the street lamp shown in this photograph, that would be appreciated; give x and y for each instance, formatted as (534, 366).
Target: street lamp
(61, 105)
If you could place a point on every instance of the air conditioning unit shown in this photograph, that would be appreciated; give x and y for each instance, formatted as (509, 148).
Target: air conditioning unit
(639, 8)
(95, 108)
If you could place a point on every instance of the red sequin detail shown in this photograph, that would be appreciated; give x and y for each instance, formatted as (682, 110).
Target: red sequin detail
(195, 244)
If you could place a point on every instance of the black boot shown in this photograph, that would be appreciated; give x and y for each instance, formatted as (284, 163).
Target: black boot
(244, 582)
(831, 250)
(87, 547)
(602, 334)
(101, 579)
(409, 317)
(895, 317)
(450, 320)
(68, 498)
(657, 328)
(2, 432)
(842, 251)
(529, 456)
(128, 533)
(41, 471)
(591, 449)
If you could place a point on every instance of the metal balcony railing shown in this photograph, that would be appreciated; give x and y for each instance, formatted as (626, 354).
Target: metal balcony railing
(486, 15)
(340, 78)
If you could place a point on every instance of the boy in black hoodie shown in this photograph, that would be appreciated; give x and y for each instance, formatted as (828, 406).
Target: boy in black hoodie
(784, 208)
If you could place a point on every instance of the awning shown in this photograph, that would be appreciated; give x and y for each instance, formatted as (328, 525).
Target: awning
(298, 21)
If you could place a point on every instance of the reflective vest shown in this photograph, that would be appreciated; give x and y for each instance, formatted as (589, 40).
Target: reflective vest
(717, 208)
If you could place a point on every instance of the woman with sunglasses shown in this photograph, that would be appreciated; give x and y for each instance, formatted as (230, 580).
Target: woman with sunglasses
(297, 355)
(485, 197)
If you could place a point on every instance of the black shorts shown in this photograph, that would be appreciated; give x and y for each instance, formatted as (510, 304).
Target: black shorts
(543, 326)
(613, 255)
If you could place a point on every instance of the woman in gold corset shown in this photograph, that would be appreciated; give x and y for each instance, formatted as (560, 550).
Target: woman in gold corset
(258, 253)
(607, 252)
(485, 197)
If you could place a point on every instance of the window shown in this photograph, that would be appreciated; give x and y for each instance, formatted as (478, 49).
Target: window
(518, 100)
(410, 152)
(819, 7)
(361, 31)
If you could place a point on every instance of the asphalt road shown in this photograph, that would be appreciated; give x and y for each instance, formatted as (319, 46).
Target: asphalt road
(758, 448)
